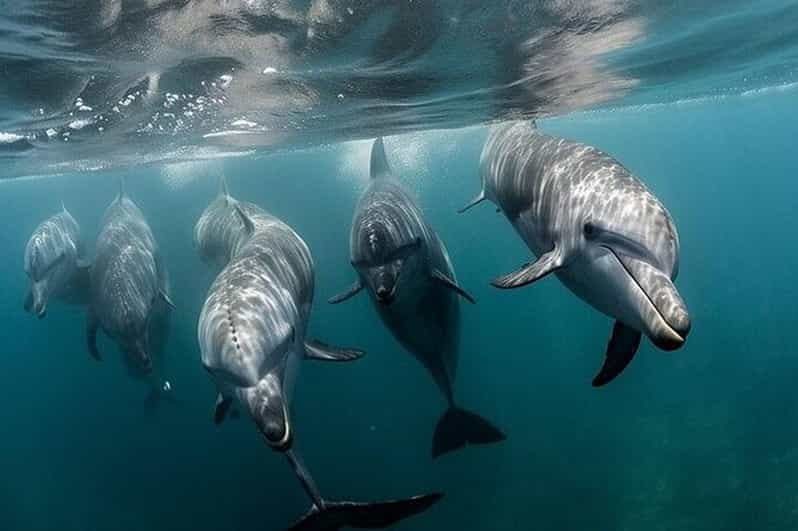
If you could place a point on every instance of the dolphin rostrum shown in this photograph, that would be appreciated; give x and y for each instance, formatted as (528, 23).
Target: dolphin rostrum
(55, 264)
(594, 225)
(405, 268)
(129, 297)
(252, 334)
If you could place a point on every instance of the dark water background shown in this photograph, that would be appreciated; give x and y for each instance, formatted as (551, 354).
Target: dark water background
(705, 438)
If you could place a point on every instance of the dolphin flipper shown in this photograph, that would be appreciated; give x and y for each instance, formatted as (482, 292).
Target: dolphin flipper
(221, 408)
(474, 202)
(529, 273)
(316, 350)
(92, 324)
(622, 347)
(353, 290)
(442, 279)
(166, 298)
(459, 427)
(28, 304)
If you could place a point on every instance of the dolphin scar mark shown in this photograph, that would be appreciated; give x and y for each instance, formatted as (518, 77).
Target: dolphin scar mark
(232, 327)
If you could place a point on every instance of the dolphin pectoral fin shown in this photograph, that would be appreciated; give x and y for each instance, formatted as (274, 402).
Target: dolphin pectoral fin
(28, 304)
(529, 273)
(221, 408)
(249, 226)
(166, 298)
(351, 291)
(622, 347)
(316, 350)
(474, 202)
(92, 324)
(442, 279)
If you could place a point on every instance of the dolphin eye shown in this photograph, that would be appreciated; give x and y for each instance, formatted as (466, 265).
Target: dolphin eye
(589, 229)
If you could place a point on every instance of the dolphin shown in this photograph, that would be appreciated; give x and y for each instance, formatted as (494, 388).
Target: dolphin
(129, 297)
(252, 333)
(55, 263)
(405, 268)
(595, 226)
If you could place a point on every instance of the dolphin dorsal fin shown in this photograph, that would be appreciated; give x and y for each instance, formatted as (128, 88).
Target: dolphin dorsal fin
(379, 162)
(122, 188)
(223, 191)
(249, 226)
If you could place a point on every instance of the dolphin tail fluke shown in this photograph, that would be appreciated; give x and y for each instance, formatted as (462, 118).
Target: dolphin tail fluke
(458, 428)
(377, 515)
(474, 202)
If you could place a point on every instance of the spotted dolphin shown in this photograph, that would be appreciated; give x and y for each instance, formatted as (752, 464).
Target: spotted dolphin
(129, 297)
(596, 227)
(55, 264)
(252, 333)
(404, 266)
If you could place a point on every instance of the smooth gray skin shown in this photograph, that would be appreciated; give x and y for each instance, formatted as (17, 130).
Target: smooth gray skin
(252, 326)
(592, 223)
(128, 284)
(55, 263)
(399, 259)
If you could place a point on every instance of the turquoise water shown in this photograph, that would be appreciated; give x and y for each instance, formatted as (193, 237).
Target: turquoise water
(705, 438)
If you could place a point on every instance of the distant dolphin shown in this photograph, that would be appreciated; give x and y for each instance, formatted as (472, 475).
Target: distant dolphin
(405, 268)
(252, 334)
(594, 225)
(128, 289)
(55, 264)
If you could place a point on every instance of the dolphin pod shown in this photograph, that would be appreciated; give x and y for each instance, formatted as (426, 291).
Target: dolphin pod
(128, 289)
(584, 216)
(252, 333)
(55, 264)
(405, 268)
(594, 225)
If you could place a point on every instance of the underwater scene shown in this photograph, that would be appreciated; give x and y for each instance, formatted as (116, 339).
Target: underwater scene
(366, 264)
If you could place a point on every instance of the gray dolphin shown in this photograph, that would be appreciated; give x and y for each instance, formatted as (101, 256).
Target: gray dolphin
(55, 264)
(129, 296)
(252, 335)
(405, 267)
(594, 225)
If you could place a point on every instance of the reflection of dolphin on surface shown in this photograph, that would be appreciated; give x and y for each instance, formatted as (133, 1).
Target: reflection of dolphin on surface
(405, 268)
(55, 264)
(252, 334)
(129, 289)
(594, 225)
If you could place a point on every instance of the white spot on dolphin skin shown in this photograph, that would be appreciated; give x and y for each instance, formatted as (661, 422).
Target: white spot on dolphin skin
(269, 70)
(167, 386)
(226, 80)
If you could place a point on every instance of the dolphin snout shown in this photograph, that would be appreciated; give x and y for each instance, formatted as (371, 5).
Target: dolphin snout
(40, 309)
(673, 332)
(384, 295)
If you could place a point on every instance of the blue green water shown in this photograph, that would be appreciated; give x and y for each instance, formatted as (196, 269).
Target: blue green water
(705, 438)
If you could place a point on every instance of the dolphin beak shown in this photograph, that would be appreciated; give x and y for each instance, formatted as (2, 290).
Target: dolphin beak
(664, 315)
(39, 300)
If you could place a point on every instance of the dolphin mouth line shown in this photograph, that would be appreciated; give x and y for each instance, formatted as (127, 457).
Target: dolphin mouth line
(648, 297)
